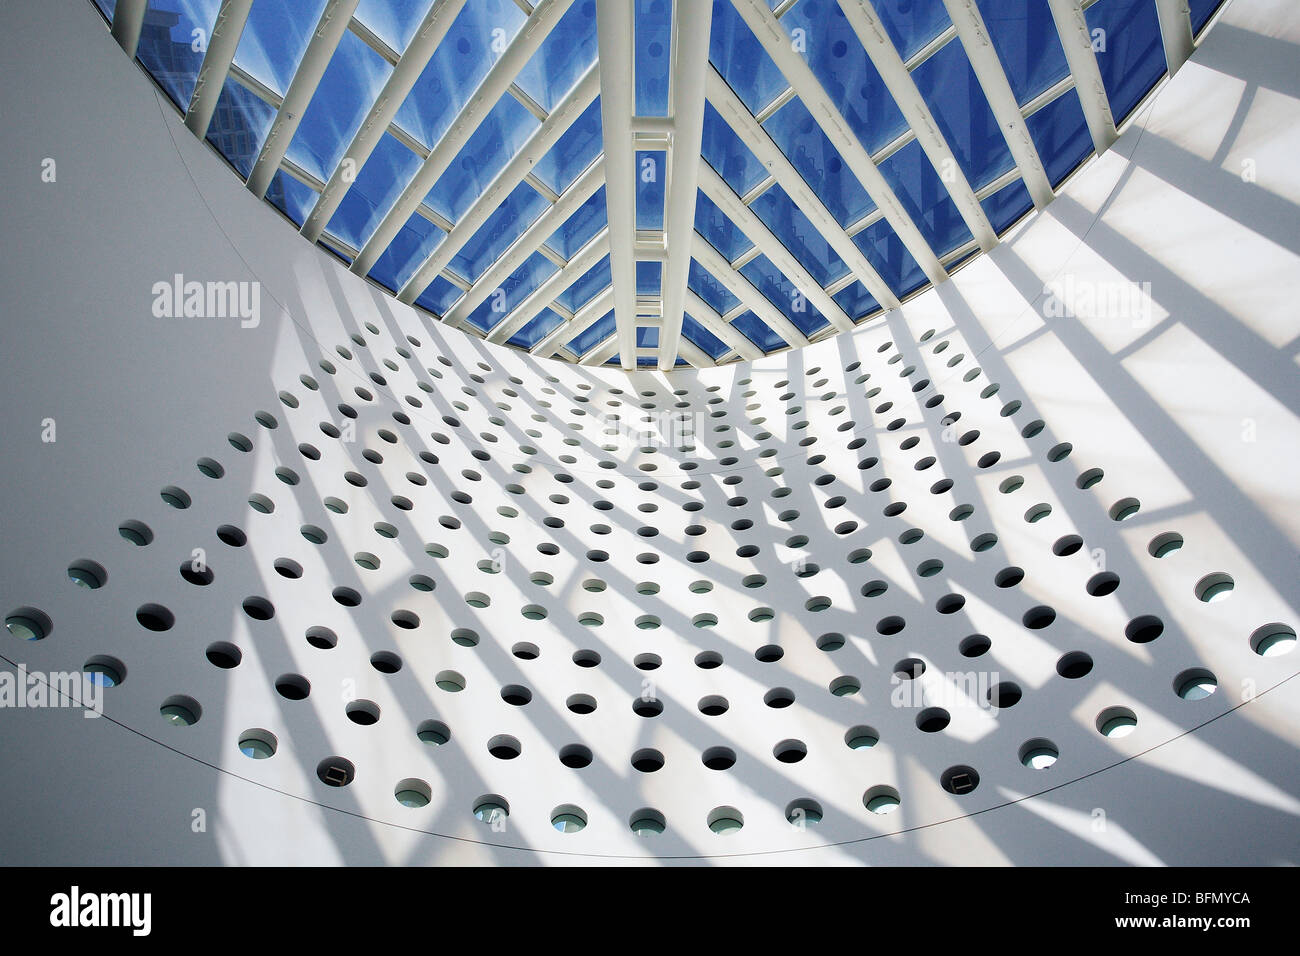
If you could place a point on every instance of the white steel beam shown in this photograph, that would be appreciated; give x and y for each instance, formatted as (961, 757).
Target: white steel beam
(557, 282)
(617, 106)
(716, 188)
(735, 283)
(400, 82)
(734, 339)
(776, 42)
(495, 85)
(889, 64)
(1076, 40)
(1175, 31)
(689, 351)
(586, 316)
(128, 18)
(514, 172)
(742, 121)
(975, 38)
(222, 42)
(691, 24)
(601, 352)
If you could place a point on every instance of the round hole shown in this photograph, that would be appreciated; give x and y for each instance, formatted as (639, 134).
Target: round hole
(831, 641)
(845, 686)
(29, 624)
(1009, 577)
(861, 737)
(321, 637)
(769, 654)
(802, 812)
(293, 686)
(575, 756)
(1165, 544)
(1214, 587)
(105, 671)
(224, 655)
(176, 497)
(1005, 694)
(526, 651)
(155, 617)
(258, 608)
(931, 720)
(581, 703)
(1037, 618)
(1066, 545)
(779, 697)
(386, 662)
(137, 532)
(1116, 722)
(516, 695)
(492, 810)
(1273, 640)
(1074, 665)
(1039, 753)
(1144, 629)
(719, 758)
(959, 780)
(586, 658)
(713, 705)
(1124, 508)
(258, 744)
(1103, 583)
(881, 799)
(1195, 684)
(724, 820)
(231, 536)
(976, 645)
(449, 681)
(647, 707)
(181, 711)
(647, 760)
(412, 792)
(336, 771)
(433, 732)
(87, 574)
(647, 822)
(504, 747)
(790, 751)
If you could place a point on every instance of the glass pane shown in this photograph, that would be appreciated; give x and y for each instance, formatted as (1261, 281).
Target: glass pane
(890, 258)
(588, 285)
(649, 277)
(393, 21)
(1061, 134)
(440, 296)
(741, 60)
(647, 337)
(751, 327)
(856, 301)
(239, 125)
(173, 39)
(654, 20)
(377, 186)
(414, 243)
(783, 294)
(275, 38)
(521, 283)
(1129, 50)
(700, 281)
(519, 211)
(1202, 10)
(573, 152)
(650, 189)
(563, 57)
(718, 230)
(811, 153)
(799, 235)
(1007, 205)
(587, 220)
(912, 24)
(293, 198)
(925, 198)
(728, 155)
(703, 339)
(591, 336)
(504, 129)
(536, 329)
(1028, 45)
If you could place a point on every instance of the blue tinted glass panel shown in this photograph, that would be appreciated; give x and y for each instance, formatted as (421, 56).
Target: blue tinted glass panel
(728, 155)
(586, 287)
(1007, 205)
(700, 281)
(573, 152)
(654, 21)
(504, 129)
(811, 153)
(393, 21)
(741, 60)
(801, 237)
(168, 43)
(912, 24)
(590, 337)
(955, 97)
(925, 198)
(783, 294)
(757, 331)
(563, 56)
(275, 38)
(348, 89)
(721, 232)
(106, 7)
(1061, 135)
(291, 197)
(649, 277)
(1134, 57)
(1025, 37)
(1202, 10)
(462, 59)
(239, 125)
(579, 229)
(520, 284)
(856, 301)
(703, 339)
(650, 169)
(330, 247)
(647, 338)
(890, 258)
(440, 296)
(536, 329)
(377, 186)
(413, 243)
(519, 210)
(645, 361)
(845, 72)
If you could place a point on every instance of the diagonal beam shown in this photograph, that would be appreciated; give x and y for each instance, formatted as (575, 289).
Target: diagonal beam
(1175, 32)
(128, 18)
(587, 316)
(975, 39)
(691, 24)
(733, 110)
(495, 85)
(735, 283)
(222, 43)
(515, 171)
(601, 352)
(889, 64)
(691, 352)
(735, 340)
(1076, 40)
(325, 40)
(401, 81)
(716, 188)
(532, 239)
(617, 106)
(557, 282)
(776, 42)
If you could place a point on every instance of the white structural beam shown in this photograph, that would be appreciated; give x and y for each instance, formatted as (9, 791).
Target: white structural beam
(746, 126)
(689, 351)
(776, 42)
(1076, 40)
(495, 85)
(975, 39)
(889, 64)
(222, 43)
(734, 339)
(735, 283)
(691, 25)
(587, 316)
(400, 82)
(529, 242)
(716, 188)
(325, 39)
(600, 353)
(1176, 32)
(617, 106)
(557, 282)
(514, 172)
(128, 18)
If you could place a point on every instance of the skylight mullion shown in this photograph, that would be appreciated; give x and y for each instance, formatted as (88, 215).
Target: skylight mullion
(601, 353)
(973, 32)
(691, 353)
(527, 102)
(370, 39)
(690, 59)
(516, 55)
(776, 42)
(325, 39)
(1175, 32)
(128, 19)
(742, 121)
(590, 313)
(512, 174)
(226, 31)
(744, 290)
(1076, 41)
(1006, 179)
(527, 310)
(889, 64)
(1048, 96)
(933, 47)
(255, 86)
(707, 316)
(545, 191)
